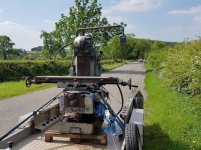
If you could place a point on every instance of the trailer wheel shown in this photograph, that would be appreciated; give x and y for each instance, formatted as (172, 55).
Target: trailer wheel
(132, 137)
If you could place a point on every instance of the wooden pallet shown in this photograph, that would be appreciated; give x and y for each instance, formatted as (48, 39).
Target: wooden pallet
(76, 138)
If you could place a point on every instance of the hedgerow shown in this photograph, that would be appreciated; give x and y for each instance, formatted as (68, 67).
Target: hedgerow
(16, 70)
(179, 66)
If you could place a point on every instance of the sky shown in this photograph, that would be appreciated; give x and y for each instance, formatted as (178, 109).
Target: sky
(166, 20)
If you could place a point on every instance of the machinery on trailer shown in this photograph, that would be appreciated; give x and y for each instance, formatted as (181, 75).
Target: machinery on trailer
(83, 105)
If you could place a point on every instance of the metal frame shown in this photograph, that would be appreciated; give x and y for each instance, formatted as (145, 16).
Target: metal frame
(101, 27)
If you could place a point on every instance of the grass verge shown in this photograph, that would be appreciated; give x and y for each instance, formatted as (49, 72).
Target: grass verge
(15, 88)
(107, 67)
(172, 121)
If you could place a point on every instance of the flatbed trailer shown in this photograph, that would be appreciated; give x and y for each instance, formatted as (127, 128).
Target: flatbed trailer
(25, 138)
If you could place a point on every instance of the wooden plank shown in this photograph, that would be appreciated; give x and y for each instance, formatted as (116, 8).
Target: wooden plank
(76, 138)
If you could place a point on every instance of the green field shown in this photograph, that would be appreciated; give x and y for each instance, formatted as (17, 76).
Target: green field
(14, 88)
(172, 121)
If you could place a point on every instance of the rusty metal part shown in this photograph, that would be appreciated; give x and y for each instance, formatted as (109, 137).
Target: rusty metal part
(83, 66)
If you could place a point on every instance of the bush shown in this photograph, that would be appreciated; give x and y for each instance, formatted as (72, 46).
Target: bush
(179, 66)
(16, 70)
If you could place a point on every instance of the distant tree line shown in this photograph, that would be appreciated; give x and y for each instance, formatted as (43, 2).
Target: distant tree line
(135, 48)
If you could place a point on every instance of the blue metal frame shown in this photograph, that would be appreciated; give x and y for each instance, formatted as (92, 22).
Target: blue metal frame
(115, 117)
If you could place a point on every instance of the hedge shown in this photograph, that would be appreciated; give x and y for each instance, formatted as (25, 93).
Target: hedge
(179, 66)
(16, 70)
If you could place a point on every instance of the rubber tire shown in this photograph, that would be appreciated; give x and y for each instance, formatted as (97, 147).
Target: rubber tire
(132, 137)
(139, 100)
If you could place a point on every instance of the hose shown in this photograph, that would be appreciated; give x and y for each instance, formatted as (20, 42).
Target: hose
(122, 99)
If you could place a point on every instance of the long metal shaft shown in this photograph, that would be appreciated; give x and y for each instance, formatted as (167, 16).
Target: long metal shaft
(98, 28)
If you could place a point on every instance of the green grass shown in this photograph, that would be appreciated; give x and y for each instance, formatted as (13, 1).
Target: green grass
(107, 67)
(14, 88)
(172, 121)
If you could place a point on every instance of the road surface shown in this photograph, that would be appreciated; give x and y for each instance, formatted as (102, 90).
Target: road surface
(11, 109)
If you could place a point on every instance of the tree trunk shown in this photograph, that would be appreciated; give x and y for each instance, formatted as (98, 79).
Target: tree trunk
(4, 56)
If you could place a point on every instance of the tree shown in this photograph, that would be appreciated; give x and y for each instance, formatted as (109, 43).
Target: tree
(85, 13)
(114, 50)
(143, 46)
(6, 46)
(51, 44)
(134, 48)
(17, 53)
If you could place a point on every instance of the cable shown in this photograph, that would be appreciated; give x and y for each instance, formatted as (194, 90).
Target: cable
(55, 56)
(112, 95)
(122, 99)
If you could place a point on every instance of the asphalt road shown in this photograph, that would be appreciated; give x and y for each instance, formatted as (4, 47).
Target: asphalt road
(11, 109)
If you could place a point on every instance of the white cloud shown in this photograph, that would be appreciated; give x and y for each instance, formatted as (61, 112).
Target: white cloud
(22, 36)
(192, 11)
(116, 19)
(189, 32)
(133, 6)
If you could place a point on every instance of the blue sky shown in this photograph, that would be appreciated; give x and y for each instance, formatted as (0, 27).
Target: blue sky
(168, 20)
